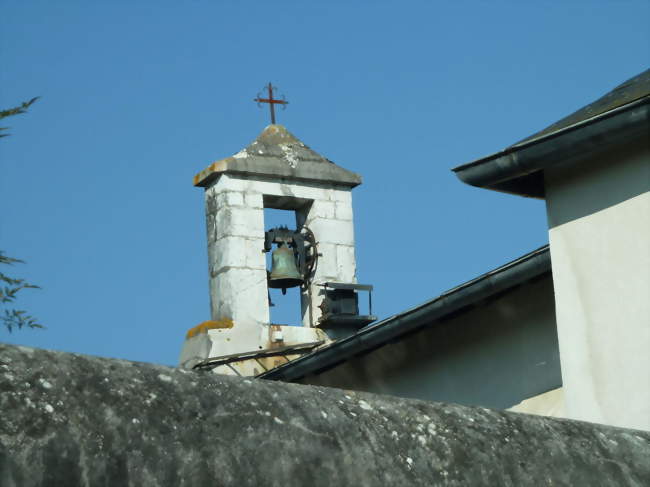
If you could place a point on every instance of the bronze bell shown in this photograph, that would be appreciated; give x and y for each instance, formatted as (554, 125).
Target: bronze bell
(284, 273)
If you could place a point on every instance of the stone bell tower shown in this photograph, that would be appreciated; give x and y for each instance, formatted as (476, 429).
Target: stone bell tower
(275, 171)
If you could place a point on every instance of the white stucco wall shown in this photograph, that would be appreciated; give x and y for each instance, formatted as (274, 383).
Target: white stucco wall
(599, 226)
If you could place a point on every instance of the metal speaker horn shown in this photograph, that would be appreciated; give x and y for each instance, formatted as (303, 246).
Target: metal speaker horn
(284, 273)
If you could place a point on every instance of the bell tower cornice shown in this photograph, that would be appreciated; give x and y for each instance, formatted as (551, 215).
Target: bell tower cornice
(277, 153)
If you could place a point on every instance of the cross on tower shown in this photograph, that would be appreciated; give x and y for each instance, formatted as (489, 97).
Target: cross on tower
(271, 101)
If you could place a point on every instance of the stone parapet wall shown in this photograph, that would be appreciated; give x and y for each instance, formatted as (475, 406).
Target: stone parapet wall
(74, 420)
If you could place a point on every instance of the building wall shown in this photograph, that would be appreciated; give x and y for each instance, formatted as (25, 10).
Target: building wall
(599, 226)
(495, 354)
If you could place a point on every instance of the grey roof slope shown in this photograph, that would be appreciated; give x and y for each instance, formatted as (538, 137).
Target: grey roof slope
(495, 282)
(277, 153)
(76, 420)
(627, 92)
(619, 117)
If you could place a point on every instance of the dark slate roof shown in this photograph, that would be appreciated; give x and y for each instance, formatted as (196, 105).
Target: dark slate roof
(277, 153)
(74, 420)
(619, 117)
(632, 90)
(526, 268)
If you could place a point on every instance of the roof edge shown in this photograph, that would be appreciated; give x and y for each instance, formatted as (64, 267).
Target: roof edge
(209, 175)
(512, 170)
(278, 154)
(518, 271)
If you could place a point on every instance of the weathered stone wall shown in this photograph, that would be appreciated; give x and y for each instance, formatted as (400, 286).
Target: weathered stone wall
(235, 221)
(275, 171)
(235, 228)
(238, 275)
(73, 420)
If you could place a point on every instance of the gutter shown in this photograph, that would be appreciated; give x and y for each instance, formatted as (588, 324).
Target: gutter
(519, 271)
(517, 169)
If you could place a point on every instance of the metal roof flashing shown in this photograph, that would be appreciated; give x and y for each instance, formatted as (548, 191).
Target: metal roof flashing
(617, 118)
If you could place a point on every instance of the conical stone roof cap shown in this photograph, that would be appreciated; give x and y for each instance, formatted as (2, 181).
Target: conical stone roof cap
(277, 153)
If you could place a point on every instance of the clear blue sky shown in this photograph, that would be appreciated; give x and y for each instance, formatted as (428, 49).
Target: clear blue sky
(137, 97)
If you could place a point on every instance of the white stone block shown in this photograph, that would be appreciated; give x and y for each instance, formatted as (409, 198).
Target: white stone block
(322, 209)
(230, 198)
(211, 192)
(235, 251)
(241, 338)
(302, 192)
(343, 211)
(346, 264)
(195, 349)
(211, 228)
(253, 200)
(241, 295)
(240, 221)
(342, 196)
(332, 231)
(313, 191)
(327, 267)
(225, 183)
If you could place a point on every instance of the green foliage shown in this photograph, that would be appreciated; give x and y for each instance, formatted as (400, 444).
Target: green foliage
(9, 286)
(22, 108)
(14, 318)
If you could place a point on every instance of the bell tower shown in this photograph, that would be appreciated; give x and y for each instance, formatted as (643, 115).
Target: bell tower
(275, 171)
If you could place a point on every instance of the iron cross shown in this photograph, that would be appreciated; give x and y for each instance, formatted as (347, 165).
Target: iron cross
(271, 101)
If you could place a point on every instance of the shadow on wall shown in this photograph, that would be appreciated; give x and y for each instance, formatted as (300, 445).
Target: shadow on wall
(582, 189)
